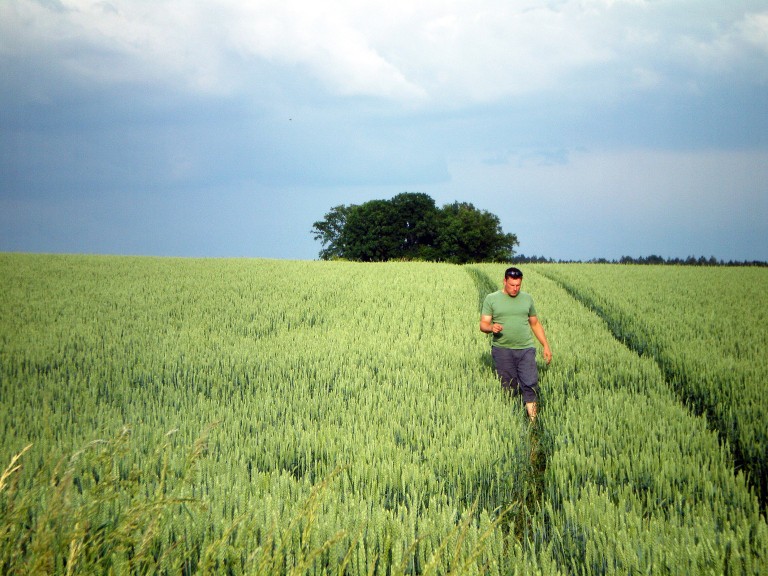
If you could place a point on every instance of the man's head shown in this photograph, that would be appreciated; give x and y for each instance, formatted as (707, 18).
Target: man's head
(513, 273)
(513, 278)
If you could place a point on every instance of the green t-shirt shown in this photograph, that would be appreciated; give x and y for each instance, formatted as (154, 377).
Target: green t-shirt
(513, 314)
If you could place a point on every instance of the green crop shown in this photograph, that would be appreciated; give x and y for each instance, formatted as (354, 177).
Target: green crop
(276, 417)
(369, 381)
(635, 482)
(707, 328)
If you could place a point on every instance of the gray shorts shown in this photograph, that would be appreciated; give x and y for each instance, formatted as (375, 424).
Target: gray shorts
(517, 371)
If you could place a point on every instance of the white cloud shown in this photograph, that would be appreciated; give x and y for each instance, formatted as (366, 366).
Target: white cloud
(448, 52)
(501, 50)
(754, 29)
(320, 37)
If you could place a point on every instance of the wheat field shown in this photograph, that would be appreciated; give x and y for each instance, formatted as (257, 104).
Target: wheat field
(249, 416)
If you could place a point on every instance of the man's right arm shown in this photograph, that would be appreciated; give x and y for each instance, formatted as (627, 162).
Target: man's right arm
(487, 325)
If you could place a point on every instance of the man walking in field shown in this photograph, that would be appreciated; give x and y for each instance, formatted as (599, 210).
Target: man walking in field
(509, 314)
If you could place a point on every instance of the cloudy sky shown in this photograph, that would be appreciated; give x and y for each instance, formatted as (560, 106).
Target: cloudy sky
(592, 128)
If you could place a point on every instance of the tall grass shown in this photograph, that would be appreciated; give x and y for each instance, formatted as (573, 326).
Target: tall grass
(706, 329)
(359, 429)
(309, 368)
(635, 482)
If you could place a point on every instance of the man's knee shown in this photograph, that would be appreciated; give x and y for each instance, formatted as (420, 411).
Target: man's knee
(510, 385)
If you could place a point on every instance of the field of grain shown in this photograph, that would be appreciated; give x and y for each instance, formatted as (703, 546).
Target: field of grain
(245, 416)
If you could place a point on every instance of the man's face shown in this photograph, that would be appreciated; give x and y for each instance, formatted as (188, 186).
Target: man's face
(512, 286)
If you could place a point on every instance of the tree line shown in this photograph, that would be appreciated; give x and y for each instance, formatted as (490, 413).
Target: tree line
(652, 259)
(410, 226)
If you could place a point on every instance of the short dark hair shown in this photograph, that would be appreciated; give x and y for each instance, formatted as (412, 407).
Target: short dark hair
(513, 273)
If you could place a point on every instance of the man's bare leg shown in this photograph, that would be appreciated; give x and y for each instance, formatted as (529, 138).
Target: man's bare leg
(531, 408)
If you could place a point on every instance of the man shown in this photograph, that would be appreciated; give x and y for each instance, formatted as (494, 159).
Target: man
(510, 316)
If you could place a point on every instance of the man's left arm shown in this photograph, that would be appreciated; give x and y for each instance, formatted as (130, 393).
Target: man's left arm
(538, 331)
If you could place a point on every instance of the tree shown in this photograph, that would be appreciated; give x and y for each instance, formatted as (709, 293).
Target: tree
(466, 234)
(329, 231)
(410, 226)
(415, 220)
(371, 232)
